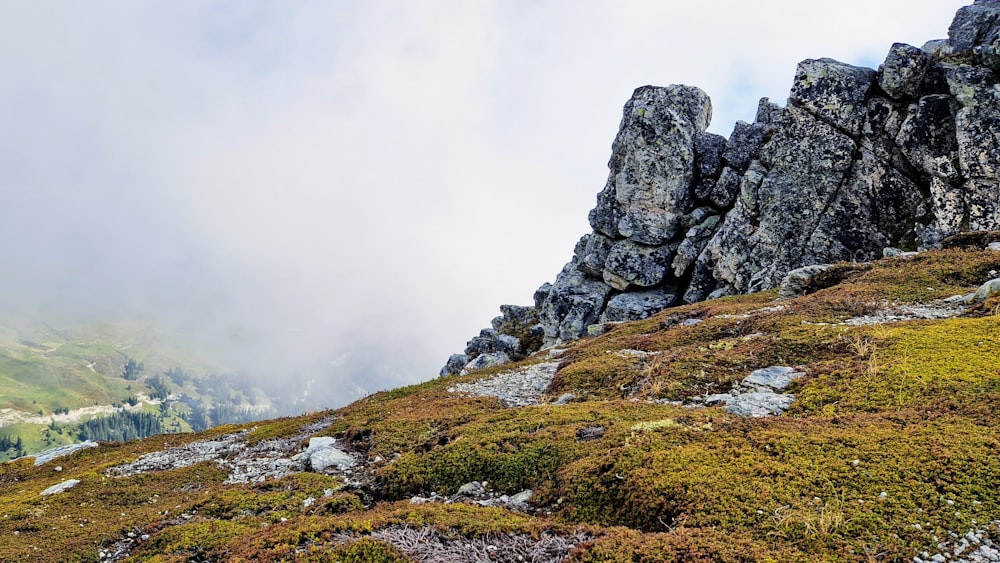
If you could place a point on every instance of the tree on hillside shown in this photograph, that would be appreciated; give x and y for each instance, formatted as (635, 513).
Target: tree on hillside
(178, 376)
(121, 426)
(158, 387)
(132, 369)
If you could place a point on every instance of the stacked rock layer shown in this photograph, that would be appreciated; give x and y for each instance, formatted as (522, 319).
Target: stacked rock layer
(857, 161)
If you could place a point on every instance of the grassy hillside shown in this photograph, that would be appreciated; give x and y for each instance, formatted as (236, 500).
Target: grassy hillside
(54, 378)
(889, 451)
(48, 367)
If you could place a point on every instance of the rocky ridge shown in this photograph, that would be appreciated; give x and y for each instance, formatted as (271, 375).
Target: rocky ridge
(857, 161)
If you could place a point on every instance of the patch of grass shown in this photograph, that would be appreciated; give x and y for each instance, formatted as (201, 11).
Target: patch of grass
(949, 364)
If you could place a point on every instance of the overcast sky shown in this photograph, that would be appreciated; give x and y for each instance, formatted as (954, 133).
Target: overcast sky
(356, 185)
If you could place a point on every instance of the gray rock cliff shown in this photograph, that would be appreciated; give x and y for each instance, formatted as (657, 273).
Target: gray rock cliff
(858, 160)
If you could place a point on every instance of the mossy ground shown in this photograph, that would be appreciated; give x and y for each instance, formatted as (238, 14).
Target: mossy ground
(891, 444)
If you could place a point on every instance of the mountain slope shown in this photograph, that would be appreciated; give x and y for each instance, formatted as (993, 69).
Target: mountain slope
(888, 450)
(58, 380)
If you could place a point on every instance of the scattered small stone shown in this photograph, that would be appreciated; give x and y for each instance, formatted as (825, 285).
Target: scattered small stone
(565, 399)
(897, 253)
(267, 459)
(641, 354)
(431, 544)
(976, 546)
(473, 489)
(478, 493)
(758, 394)
(934, 310)
(748, 314)
(800, 280)
(985, 291)
(516, 388)
(590, 433)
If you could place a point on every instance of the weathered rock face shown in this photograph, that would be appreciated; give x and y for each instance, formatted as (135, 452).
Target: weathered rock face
(858, 160)
(652, 165)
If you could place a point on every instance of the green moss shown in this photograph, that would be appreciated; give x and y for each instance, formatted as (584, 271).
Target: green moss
(948, 364)
(203, 540)
(364, 550)
(622, 545)
(797, 480)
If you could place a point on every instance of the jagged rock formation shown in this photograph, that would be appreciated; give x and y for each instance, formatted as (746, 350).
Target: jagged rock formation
(858, 160)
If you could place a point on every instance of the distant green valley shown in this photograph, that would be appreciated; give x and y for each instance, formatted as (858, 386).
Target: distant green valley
(114, 382)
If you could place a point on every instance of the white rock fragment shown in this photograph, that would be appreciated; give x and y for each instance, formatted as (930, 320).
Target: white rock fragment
(61, 487)
(323, 453)
(521, 498)
(756, 405)
(775, 378)
(985, 291)
(60, 451)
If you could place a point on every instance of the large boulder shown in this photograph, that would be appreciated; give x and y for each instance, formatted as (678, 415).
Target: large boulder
(638, 305)
(593, 254)
(976, 30)
(484, 361)
(572, 303)
(652, 164)
(630, 264)
(60, 487)
(708, 149)
(744, 143)
(834, 92)
(323, 453)
(694, 243)
(454, 365)
(902, 74)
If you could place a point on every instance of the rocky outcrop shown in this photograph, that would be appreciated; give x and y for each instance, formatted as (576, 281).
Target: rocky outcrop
(858, 160)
